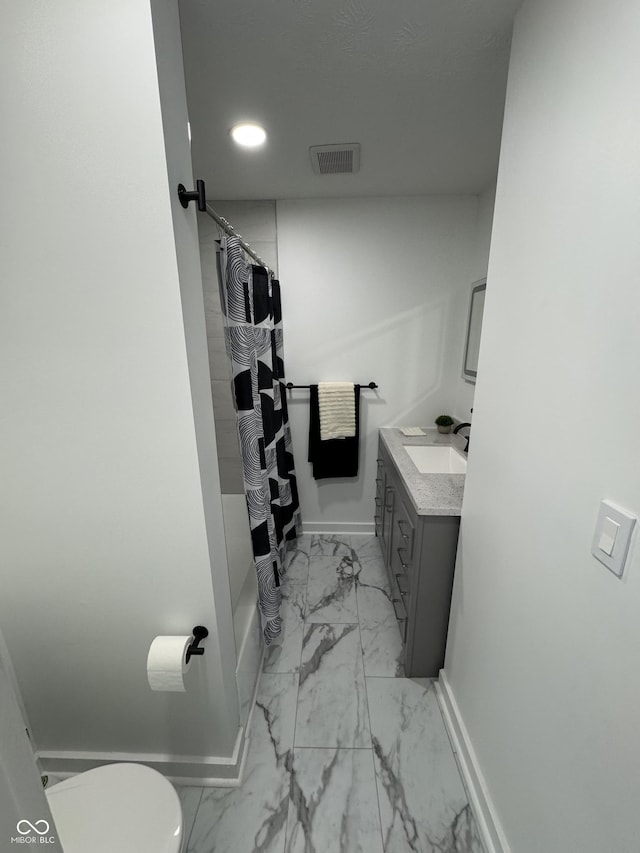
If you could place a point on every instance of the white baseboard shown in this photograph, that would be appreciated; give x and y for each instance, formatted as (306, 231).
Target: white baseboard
(481, 803)
(203, 771)
(337, 528)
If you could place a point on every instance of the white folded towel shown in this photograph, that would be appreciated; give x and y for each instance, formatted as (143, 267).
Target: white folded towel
(337, 408)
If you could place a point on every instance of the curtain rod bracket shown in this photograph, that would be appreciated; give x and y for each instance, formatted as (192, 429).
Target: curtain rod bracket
(198, 195)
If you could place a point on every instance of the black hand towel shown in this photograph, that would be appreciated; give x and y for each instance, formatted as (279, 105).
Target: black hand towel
(337, 457)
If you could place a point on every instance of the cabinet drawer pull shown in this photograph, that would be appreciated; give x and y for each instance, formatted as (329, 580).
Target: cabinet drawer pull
(402, 562)
(404, 535)
(378, 501)
(395, 601)
(403, 592)
(379, 460)
(378, 480)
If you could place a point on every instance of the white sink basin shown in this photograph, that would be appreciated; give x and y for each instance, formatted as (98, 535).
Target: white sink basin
(436, 459)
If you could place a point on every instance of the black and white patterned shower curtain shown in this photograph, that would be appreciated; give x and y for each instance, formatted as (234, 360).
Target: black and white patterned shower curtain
(252, 312)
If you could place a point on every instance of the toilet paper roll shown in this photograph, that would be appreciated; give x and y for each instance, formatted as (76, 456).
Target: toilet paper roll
(166, 663)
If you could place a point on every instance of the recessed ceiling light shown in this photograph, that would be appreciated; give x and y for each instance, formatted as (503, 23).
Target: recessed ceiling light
(248, 134)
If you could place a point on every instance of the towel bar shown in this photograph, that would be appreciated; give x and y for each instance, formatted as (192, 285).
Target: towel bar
(290, 385)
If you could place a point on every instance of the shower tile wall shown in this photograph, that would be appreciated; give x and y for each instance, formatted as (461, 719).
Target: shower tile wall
(256, 221)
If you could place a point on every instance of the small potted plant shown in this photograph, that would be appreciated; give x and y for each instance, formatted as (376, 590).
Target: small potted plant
(444, 423)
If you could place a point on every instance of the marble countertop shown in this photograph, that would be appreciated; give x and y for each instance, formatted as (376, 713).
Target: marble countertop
(431, 494)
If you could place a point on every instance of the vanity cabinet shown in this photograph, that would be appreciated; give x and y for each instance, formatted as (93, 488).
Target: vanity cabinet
(419, 553)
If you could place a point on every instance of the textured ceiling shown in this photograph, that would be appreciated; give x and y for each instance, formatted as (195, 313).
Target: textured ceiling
(419, 83)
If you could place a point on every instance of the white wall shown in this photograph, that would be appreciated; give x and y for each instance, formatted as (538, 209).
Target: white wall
(106, 521)
(480, 261)
(543, 644)
(173, 101)
(373, 289)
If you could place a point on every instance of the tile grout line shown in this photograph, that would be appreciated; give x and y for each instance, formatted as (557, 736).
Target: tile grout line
(295, 719)
(336, 749)
(193, 823)
(339, 748)
(366, 693)
(304, 622)
(304, 618)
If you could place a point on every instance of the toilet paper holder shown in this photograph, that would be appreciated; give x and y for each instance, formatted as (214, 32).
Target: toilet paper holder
(199, 633)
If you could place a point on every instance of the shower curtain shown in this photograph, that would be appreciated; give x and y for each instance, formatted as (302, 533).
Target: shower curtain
(250, 299)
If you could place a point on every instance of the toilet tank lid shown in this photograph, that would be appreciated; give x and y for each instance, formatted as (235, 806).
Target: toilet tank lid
(117, 808)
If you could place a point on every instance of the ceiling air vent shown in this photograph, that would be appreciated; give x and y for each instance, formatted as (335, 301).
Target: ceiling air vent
(335, 159)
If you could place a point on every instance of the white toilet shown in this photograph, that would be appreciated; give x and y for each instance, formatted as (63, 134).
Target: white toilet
(118, 808)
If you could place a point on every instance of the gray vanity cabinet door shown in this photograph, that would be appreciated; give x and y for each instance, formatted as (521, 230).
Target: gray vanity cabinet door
(388, 511)
(379, 497)
(429, 617)
(401, 557)
(387, 491)
(385, 503)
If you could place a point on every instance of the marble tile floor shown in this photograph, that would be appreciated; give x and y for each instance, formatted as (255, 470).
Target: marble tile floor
(345, 754)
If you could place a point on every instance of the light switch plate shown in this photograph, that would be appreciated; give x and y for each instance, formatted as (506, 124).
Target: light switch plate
(612, 536)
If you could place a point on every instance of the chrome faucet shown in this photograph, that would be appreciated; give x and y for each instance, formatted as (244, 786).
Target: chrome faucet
(457, 430)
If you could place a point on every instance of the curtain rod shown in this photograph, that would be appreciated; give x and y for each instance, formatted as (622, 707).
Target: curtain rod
(228, 228)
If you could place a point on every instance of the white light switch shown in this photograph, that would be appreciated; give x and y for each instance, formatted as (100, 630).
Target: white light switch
(613, 534)
(608, 532)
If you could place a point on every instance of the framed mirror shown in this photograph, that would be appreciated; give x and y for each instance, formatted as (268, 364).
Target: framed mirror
(474, 327)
